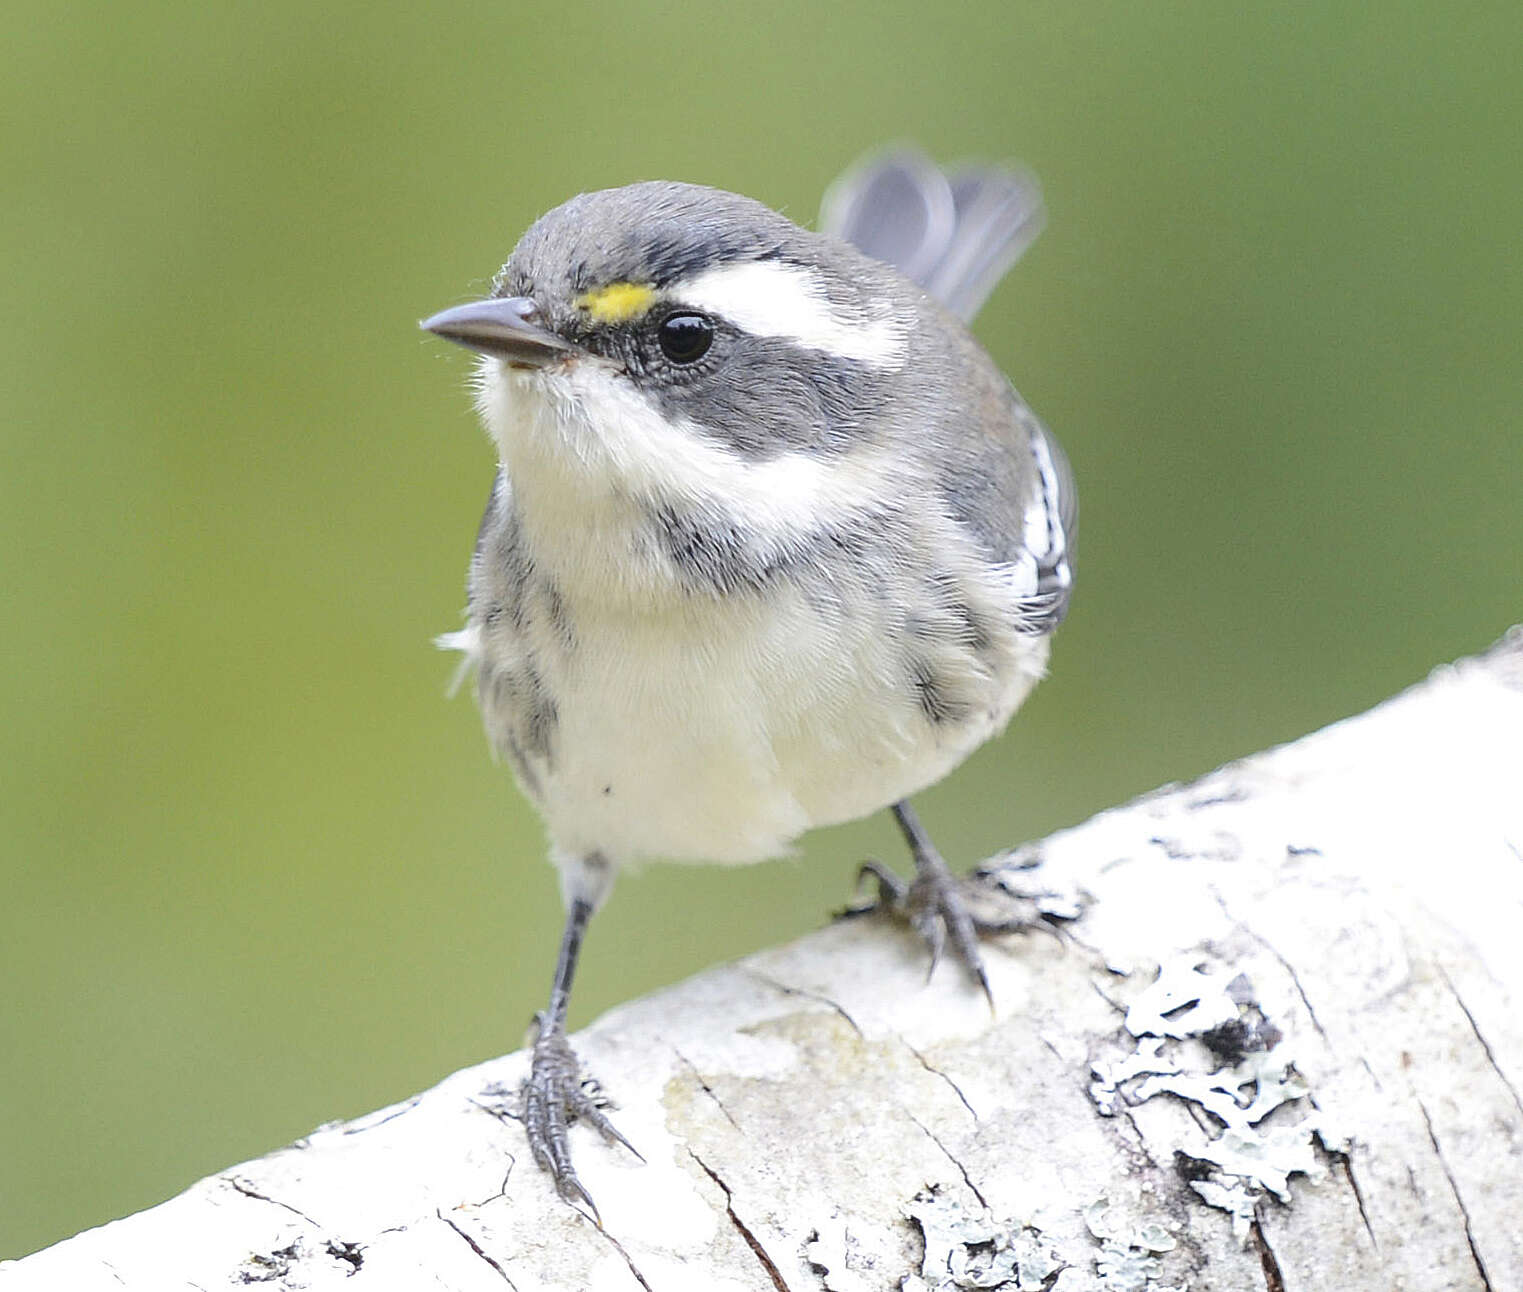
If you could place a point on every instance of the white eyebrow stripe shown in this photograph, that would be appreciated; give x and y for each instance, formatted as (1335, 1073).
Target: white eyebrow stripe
(769, 298)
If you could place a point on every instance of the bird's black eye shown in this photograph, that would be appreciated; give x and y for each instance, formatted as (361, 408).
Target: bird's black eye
(685, 338)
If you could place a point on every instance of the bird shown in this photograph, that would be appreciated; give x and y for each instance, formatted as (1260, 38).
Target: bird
(772, 544)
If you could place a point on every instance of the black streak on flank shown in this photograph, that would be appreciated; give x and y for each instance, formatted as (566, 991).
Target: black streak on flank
(513, 752)
(501, 567)
(540, 715)
(931, 695)
(974, 632)
(559, 616)
(519, 695)
(954, 619)
(713, 554)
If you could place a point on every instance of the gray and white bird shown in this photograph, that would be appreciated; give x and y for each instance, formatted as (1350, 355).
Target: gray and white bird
(772, 544)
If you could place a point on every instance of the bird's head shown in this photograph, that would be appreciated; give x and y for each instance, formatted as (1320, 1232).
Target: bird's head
(706, 317)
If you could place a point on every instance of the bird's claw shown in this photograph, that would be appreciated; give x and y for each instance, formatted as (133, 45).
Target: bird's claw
(556, 1094)
(936, 909)
(892, 891)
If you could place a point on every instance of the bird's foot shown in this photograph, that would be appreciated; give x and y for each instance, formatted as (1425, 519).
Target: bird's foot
(937, 907)
(555, 1094)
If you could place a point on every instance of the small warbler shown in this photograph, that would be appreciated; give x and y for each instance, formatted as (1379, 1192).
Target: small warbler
(772, 543)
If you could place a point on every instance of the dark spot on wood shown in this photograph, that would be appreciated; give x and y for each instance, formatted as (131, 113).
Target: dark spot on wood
(1231, 1041)
(1190, 1169)
(350, 1253)
(275, 1265)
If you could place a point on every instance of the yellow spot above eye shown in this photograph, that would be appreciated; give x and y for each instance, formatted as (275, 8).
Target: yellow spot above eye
(617, 302)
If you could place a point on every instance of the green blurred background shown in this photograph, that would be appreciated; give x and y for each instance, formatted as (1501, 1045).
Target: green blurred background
(258, 872)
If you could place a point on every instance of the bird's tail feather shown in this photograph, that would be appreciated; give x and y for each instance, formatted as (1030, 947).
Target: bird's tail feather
(956, 231)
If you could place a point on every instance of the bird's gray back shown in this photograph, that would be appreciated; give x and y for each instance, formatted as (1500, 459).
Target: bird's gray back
(957, 232)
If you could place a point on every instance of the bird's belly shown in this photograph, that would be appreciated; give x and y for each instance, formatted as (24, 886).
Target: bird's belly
(723, 731)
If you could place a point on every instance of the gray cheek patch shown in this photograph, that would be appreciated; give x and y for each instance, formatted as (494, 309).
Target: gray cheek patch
(765, 396)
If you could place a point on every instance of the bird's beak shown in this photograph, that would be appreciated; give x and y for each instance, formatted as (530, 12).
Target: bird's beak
(508, 327)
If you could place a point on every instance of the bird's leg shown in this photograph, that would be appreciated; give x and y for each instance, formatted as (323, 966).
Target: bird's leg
(554, 1092)
(932, 902)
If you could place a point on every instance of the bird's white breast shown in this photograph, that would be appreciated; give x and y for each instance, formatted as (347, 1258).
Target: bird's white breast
(706, 726)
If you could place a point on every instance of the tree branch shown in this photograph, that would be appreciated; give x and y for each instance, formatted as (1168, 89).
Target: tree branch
(1279, 1046)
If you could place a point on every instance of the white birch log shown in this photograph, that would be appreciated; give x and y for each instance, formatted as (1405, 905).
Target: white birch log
(1280, 1046)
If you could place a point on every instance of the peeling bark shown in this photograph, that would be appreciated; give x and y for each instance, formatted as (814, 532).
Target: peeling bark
(1277, 1042)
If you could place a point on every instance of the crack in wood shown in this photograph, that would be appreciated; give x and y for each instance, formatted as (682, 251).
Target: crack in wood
(362, 1124)
(1480, 1036)
(1109, 1000)
(1274, 1279)
(628, 1259)
(937, 1072)
(1295, 978)
(807, 995)
(705, 1087)
(1459, 1200)
(1346, 1161)
(952, 1158)
(1372, 1074)
(1130, 1118)
(248, 1191)
(751, 1240)
(477, 1248)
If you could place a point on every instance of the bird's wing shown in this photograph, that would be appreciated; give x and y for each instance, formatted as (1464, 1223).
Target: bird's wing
(1052, 537)
(955, 232)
